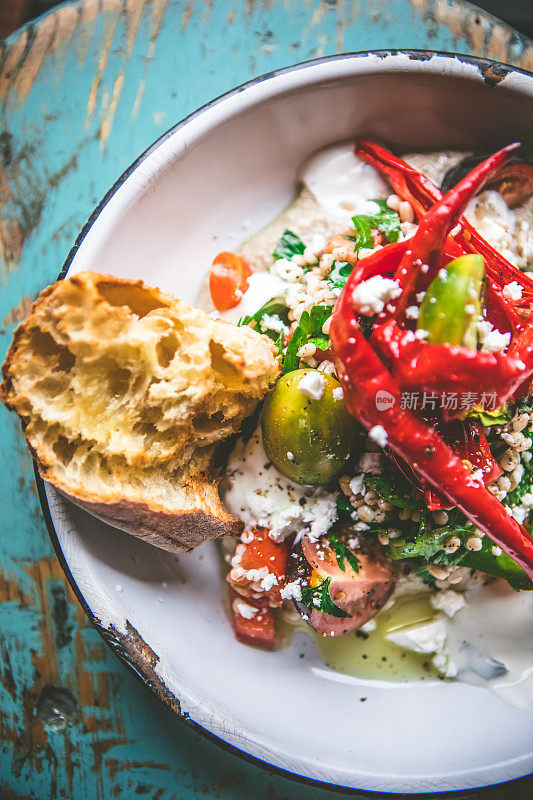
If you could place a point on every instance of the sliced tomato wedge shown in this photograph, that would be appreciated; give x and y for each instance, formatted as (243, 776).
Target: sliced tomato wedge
(257, 630)
(263, 551)
(228, 280)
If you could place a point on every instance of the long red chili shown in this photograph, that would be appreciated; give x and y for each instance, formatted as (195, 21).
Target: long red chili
(373, 396)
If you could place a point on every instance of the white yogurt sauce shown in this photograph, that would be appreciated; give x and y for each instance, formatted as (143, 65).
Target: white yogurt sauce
(489, 642)
(341, 182)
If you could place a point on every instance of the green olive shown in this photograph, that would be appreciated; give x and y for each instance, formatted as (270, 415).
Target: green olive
(452, 303)
(307, 440)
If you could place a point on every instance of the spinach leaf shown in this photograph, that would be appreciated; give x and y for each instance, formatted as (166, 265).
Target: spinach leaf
(320, 598)
(343, 553)
(310, 324)
(288, 246)
(384, 487)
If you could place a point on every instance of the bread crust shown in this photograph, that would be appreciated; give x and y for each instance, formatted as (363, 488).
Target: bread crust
(171, 499)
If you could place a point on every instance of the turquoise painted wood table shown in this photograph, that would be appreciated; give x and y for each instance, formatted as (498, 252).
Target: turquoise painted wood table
(83, 91)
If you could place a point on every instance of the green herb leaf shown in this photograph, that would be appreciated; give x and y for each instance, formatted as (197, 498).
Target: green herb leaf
(319, 597)
(339, 274)
(363, 232)
(288, 246)
(343, 553)
(321, 342)
(384, 487)
(499, 416)
(429, 543)
(500, 566)
(271, 307)
(344, 505)
(310, 324)
(387, 222)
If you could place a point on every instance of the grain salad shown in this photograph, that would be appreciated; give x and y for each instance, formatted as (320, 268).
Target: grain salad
(383, 470)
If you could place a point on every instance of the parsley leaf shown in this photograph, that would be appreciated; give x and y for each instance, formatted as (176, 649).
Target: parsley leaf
(387, 222)
(343, 553)
(319, 597)
(384, 487)
(427, 544)
(344, 505)
(288, 246)
(339, 274)
(310, 324)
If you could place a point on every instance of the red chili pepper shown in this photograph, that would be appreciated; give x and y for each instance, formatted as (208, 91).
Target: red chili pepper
(421, 193)
(373, 396)
(373, 393)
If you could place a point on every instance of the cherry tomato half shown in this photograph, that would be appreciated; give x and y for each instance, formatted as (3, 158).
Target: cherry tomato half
(228, 280)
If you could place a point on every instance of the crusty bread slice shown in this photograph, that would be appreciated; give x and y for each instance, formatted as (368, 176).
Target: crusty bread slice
(124, 392)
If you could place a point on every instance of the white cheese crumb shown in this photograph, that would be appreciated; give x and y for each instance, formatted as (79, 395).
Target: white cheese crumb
(269, 581)
(312, 385)
(470, 309)
(448, 601)
(370, 296)
(421, 333)
(496, 551)
(290, 455)
(478, 475)
(412, 312)
(244, 610)
(442, 273)
(272, 322)
(495, 341)
(379, 435)
(513, 291)
(357, 484)
(338, 393)
(292, 591)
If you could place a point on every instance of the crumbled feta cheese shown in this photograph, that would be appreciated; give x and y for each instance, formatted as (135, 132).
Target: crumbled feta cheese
(338, 393)
(412, 312)
(448, 601)
(495, 341)
(470, 309)
(272, 322)
(312, 385)
(420, 296)
(421, 333)
(496, 551)
(442, 273)
(357, 484)
(290, 455)
(255, 492)
(513, 291)
(478, 475)
(527, 500)
(292, 591)
(519, 513)
(370, 297)
(269, 581)
(379, 435)
(428, 637)
(244, 609)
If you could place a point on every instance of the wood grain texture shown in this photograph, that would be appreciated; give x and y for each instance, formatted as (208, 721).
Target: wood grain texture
(82, 93)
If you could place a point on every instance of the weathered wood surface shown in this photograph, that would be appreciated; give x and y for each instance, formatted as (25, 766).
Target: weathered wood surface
(82, 92)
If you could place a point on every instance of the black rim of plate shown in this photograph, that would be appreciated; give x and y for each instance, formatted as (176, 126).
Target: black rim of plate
(488, 70)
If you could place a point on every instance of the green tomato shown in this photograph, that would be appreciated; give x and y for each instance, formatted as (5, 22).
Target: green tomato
(307, 440)
(452, 303)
